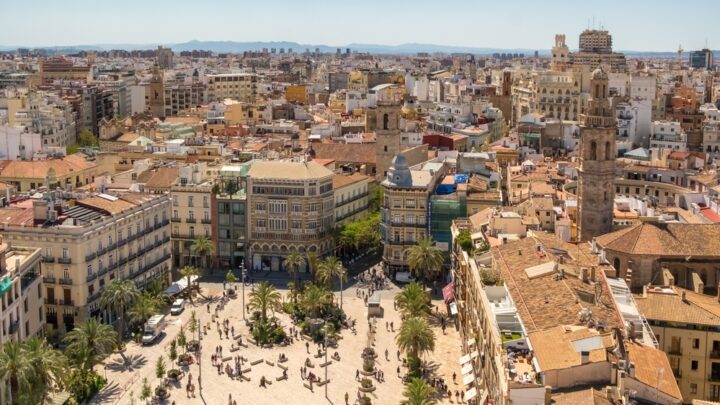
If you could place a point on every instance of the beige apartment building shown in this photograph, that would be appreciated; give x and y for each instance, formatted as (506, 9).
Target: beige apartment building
(290, 208)
(351, 197)
(687, 326)
(237, 86)
(191, 214)
(558, 94)
(21, 293)
(405, 209)
(87, 241)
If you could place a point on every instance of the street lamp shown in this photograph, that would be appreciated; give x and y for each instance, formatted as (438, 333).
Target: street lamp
(242, 274)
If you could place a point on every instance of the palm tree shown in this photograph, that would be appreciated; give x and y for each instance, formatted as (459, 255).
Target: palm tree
(144, 308)
(203, 247)
(49, 365)
(17, 368)
(189, 272)
(418, 392)
(89, 342)
(413, 301)
(264, 297)
(118, 296)
(424, 258)
(415, 337)
(313, 261)
(314, 299)
(332, 267)
(292, 262)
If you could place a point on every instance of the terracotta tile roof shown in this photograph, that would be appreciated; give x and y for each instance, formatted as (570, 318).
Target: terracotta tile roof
(647, 362)
(103, 204)
(544, 301)
(554, 348)
(163, 178)
(346, 152)
(273, 169)
(668, 240)
(669, 307)
(37, 169)
(587, 396)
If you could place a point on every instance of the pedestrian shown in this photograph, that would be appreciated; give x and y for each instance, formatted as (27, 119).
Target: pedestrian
(208, 308)
(357, 375)
(307, 347)
(232, 330)
(457, 396)
(450, 396)
(392, 326)
(229, 399)
(398, 371)
(387, 328)
(387, 354)
(454, 377)
(347, 398)
(398, 354)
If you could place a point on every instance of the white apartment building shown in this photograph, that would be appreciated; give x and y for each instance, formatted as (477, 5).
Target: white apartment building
(711, 140)
(191, 214)
(668, 135)
(45, 114)
(626, 115)
(21, 293)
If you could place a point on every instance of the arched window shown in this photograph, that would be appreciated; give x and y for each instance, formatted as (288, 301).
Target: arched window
(616, 264)
(593, 150)
(597, 91)
(608, 151)
(385, 121)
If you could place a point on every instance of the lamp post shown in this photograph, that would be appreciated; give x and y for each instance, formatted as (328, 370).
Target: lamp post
(326, 361)
(242, 275)
(199, 357)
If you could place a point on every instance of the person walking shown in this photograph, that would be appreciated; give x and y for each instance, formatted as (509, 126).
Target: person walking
(347, 398)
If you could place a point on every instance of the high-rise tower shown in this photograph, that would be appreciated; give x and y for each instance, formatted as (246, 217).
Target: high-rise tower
(596, 189)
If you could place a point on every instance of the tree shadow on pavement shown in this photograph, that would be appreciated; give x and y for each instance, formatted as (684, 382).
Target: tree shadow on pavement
(107, 395)
(134, 362)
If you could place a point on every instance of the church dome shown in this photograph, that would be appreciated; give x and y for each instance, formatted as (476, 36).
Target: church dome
(399, 173)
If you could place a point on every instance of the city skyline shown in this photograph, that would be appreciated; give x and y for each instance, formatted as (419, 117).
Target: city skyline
(527, 26)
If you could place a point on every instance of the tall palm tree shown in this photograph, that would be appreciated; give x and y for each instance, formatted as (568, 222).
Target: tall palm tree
(203, 247)
(117, 297)
(328, 269)
(314, 299)
(292, 262)
(189, 272)
(415, 337)
(313, 261)
(418, 392)
(147, 306)
(49, 365)
(413, 301)
(89, 342)
(17, 368)
(264, 297)
(424, 258)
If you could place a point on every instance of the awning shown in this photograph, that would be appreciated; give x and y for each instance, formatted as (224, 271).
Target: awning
(464, 359)
(453, 308)
(470, 394)
(474, 354)
(179, 285)
(469, 379)
(471, 341)
(448, 293)
(467, 369)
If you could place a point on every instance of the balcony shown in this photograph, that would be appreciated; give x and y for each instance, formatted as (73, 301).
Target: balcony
(407, 225)
(14, 326)
(49, 280)
(90, 256)
(102, 271)
(714, 377)
(102, 251)
(176, 219)
(715, 354)
(66, 281)
(164, 222)
(65, 260)
(206, 221)
(94, 296)
(675, 351)
(48, 259)
(50, 301)
(122, 242)
(89, 278)
(190, 220)
(67, 303)
(123, 260)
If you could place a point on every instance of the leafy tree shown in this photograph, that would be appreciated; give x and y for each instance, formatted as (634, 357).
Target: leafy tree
(415, 337)
(145, 391)
(181, 338)
(413, 301)
(330, 268)
(193, 325)
(424, 258)
(418, 392)
(315, 299)
(90, 342)
(313, 261)
(117, 297)
(203, 247)
(71, 149)
(147, 306)
(292, 263)
(376, 200)
(230, 277)
(173, 351)
(160, 367)
(264, 297)
(86, 138)
(465, 241)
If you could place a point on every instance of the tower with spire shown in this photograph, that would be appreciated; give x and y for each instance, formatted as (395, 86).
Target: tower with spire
(596, 188)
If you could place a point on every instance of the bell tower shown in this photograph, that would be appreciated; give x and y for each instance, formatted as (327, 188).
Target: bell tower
(596, 186)
(155, 93)
(560, 54)
(387, 136)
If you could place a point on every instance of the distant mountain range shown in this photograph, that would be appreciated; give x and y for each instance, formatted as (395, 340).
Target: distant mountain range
(403, 49)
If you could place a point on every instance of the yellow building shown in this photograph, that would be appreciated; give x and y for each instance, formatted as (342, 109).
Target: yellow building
(73, 170)
(296, 93)
(687, 326)
(238, 86)
(240, 113)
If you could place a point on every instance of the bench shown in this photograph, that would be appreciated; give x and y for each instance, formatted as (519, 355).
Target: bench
(321, 354)
(308, 386)
(243, 359)
(234, 349)
(321, 383)
(282, 377)
(227, 358)
(256, 362)
(282, 367)
(282, 360)
(247, 370)
(243, 344)
(244, 377)
(311, 365)
(238, 336)
(327, 363)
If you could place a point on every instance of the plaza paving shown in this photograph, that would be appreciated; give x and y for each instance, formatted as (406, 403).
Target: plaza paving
(126, 381)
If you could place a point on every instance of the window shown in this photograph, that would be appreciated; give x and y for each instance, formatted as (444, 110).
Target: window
(694, 365)
(206, 204)
(190, 201)
(696, 343)
(409, 203)
(693, 388)
(65, 253)
(175, 201)
(260, 206)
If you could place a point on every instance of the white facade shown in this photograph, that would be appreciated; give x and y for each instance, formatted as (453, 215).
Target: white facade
(626, 115)
(137, 99)
(16, 144)
(668, 135)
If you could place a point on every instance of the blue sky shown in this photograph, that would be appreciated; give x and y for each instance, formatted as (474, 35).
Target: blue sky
(644, 25)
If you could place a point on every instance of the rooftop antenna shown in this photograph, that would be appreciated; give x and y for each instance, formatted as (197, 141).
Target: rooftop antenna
(593, 22)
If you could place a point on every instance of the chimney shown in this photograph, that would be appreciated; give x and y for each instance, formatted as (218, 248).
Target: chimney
(718, 293)
(40, 210)
(548, 395)
(584, 274)
(644, 291)
(631, 371)
(519, 252)
(592, 274)
(593, 245)
(684, 296)
(584, 357)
